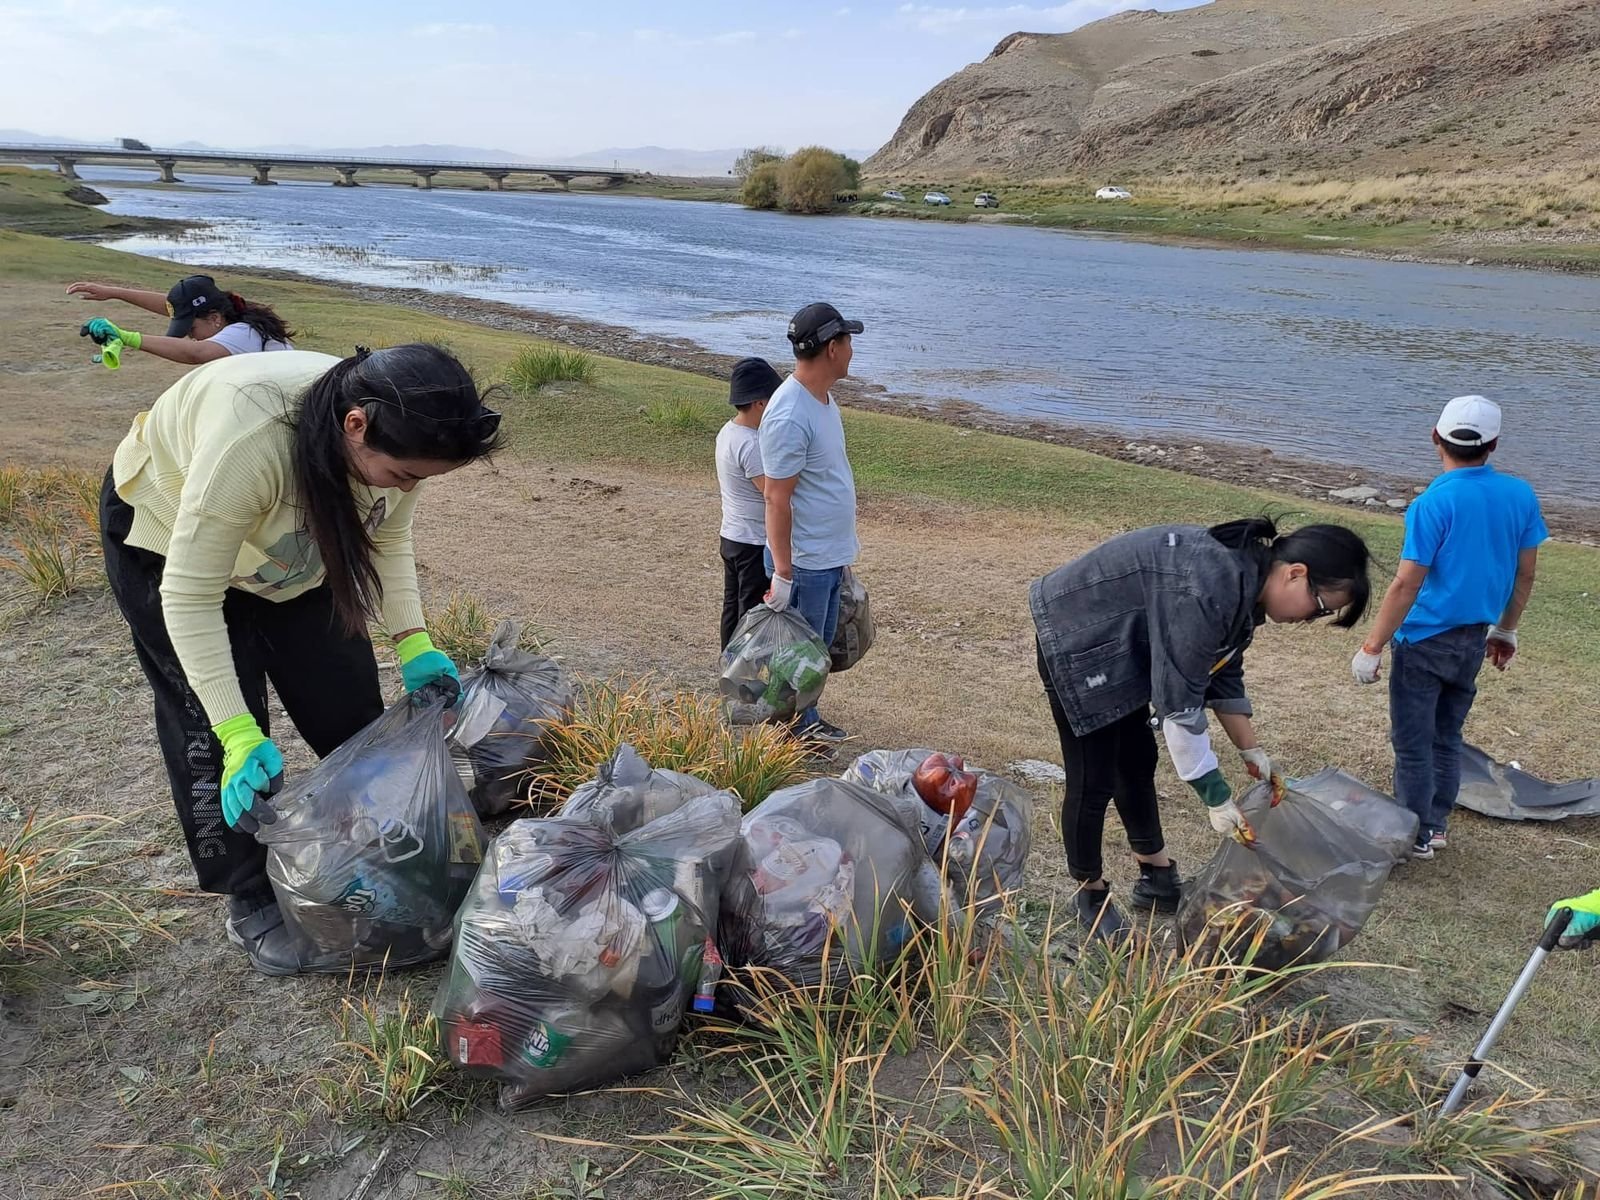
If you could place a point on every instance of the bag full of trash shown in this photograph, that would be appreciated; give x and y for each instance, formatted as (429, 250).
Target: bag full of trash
(627, 795)
(1382, 818)
(775, 666)
(1305, 888)
(822, 874)
(854, 634)
(580, 948)
(374, 848)
(507, 707)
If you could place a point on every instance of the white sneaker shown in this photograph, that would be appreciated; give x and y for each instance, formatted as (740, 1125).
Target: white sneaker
(1437, 840)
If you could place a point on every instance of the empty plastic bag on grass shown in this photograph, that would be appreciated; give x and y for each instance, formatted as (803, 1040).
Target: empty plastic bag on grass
(821, 878)
(854, 634)
(374, 848)
(988, 843)
(775, 666)
(627, 795)
(1306, 888)
(1381, 817)
(507, 707)
(579, 949)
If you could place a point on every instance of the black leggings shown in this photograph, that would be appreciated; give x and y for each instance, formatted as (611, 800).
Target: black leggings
(326, 678)
(1116, 762)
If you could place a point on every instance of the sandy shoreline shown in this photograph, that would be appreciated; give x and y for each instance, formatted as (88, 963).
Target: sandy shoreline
(1248, 466)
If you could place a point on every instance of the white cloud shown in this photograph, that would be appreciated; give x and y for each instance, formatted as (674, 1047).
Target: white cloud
(841, 12)
(453, 29)
(935, 19)
(791, 34)
(662, 37)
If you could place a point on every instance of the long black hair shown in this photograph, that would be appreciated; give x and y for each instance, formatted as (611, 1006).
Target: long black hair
(258, 316)
(421, 403)
(1335, 558)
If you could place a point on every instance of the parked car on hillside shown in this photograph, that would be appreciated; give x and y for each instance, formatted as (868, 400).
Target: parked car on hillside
(891, 194)
(986, 200)
(1113, 193)
(936, 198)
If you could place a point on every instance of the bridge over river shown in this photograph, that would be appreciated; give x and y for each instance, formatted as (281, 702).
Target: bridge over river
(67, 157)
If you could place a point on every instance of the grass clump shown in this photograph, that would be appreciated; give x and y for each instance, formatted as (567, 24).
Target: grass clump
(48, 896)
(536, 366)
(462, 626)
(53, 517)
(677, 415)
(676, 731)
(389, 1059)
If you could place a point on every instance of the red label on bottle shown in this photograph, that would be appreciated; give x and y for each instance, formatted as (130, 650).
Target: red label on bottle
(475, 1044)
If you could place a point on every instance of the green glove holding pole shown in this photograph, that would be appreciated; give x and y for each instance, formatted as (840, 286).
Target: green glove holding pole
(1584, 928)
(111, 341)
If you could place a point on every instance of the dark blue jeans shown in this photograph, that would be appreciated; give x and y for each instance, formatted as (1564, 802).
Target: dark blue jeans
(816, 598)
(1432, 684)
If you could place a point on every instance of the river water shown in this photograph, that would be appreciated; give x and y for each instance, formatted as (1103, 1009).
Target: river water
(1320, 357)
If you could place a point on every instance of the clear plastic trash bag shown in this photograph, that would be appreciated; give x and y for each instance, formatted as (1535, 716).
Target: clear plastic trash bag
(775, 666)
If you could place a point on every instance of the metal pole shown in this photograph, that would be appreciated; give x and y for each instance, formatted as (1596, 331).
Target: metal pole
(1547, 942)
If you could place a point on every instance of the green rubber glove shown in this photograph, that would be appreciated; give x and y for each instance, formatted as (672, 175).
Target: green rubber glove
(422, 664)
(1584, 928)
(100, 331)
(110, 355)
(252, 769)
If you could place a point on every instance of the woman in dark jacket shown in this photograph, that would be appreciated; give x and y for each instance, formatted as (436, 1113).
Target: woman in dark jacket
(1161, 617)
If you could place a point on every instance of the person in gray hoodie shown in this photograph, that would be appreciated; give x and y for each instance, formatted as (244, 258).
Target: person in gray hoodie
(1159, 619)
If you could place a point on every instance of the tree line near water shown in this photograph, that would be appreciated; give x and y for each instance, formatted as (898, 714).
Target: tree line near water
(811, 180)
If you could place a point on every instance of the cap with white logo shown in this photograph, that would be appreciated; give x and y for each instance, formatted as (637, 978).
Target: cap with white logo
(1469, 421)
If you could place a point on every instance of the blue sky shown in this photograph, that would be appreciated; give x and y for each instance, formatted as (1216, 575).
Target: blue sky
(534, 79)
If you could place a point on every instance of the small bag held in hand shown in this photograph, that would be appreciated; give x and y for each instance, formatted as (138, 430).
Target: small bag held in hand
(373, 850)
(855, 632)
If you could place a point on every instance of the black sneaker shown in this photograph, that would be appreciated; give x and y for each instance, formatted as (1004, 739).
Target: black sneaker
(1423, 849)
(1098, 916)
(821, 732)
(255, 925)
(1159, 889)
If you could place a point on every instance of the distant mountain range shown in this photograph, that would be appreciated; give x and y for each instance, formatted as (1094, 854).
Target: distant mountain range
(659, 160)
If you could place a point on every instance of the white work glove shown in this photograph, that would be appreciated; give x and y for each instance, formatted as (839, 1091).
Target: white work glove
(1227, 820)
(1261, 767)
(1364, 666)
(780, 594)
(1502, 646)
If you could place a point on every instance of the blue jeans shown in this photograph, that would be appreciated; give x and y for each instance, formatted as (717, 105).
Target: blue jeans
(816, 598)
(1432, 684)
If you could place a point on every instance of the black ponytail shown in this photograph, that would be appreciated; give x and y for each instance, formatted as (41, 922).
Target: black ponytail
(420, 403)
(259, 317)
(1335, 558)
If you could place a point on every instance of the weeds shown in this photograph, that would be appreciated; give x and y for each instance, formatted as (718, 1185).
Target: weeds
(675, 416)
(54, 517)
(462, 626)
(392, 1059)
(536, 366)
(678, 731)
(47, 897)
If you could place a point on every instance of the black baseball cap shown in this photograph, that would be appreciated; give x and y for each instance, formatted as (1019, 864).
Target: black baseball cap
(817, 324)
(753, 380)
(194, 296)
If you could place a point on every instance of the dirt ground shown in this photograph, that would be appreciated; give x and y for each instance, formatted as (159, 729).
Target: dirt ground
(183, 1055)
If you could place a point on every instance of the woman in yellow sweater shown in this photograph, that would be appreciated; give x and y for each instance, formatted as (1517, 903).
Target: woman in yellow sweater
(253, 522)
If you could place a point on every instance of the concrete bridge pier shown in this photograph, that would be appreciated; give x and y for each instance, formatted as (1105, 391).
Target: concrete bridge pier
(68, 167)
(262, 173)
(425, 177)
(166, 165)
(563, 180)
(499, 178)
(347, 177)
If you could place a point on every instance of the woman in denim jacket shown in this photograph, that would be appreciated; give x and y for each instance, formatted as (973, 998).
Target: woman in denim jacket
(1160, 618)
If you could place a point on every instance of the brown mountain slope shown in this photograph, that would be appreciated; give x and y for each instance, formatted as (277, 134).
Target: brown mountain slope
(1300, 84)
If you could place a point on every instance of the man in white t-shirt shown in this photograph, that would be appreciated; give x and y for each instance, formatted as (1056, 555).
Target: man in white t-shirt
(739, 474)
(811, 491)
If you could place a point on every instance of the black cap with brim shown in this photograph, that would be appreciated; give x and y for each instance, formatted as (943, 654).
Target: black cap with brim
(752, 381)
(191, 297)
(817, 324)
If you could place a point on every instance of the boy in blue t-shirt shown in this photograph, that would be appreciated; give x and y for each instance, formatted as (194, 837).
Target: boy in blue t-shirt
(1466, 571)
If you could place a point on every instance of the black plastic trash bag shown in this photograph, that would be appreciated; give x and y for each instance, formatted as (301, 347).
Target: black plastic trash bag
(1381, 817)
(774, 667)
(983, 851)
(854, 634)
(579, 949)
(822, 874)
(507, 707)
(1307, 886)
(627, 794)
(373, 850)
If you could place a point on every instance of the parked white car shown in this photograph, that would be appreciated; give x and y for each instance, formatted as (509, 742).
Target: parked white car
(986, 200)
(894, 195)
(1113, 193)
(936, 198)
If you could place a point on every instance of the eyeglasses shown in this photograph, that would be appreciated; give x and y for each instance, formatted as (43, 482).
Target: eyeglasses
(1322, 609)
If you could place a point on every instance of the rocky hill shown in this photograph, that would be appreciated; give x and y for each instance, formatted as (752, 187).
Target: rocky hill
(1353, 86)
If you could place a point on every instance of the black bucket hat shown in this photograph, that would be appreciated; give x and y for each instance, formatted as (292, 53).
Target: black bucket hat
(753, 380)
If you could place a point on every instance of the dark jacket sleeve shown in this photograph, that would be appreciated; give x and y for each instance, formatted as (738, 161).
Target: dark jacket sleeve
(1226, 693)
(1185, 631)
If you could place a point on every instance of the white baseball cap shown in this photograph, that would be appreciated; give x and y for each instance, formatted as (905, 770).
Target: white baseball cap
(1469, 421)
